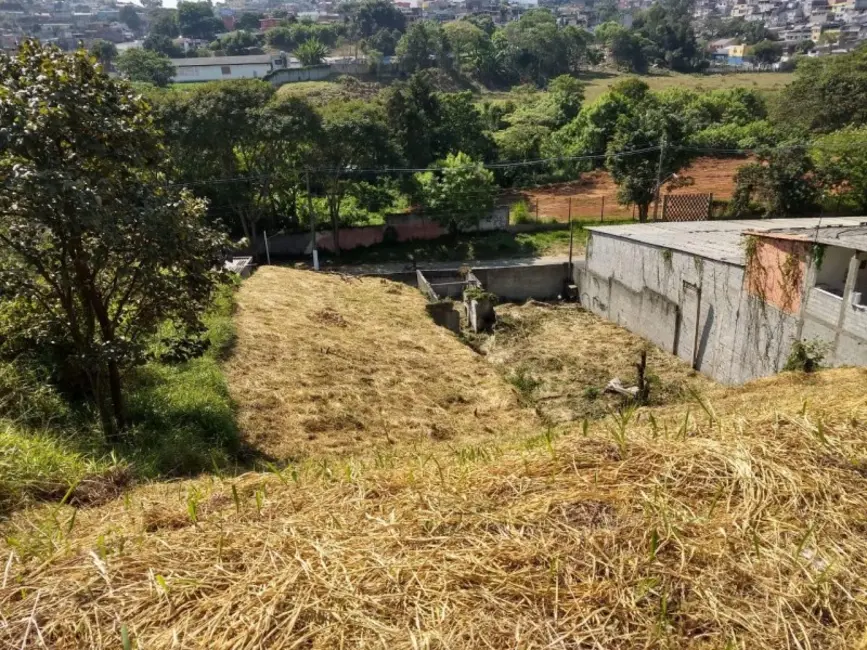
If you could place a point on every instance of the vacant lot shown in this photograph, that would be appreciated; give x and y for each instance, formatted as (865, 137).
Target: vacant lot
(563, 357)
(328, 363)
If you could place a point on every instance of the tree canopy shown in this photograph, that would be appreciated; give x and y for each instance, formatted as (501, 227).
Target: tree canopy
(98, 248)
(138, 64)
(458, 193)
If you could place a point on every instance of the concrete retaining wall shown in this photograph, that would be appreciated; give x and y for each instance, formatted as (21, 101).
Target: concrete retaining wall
(519, 283)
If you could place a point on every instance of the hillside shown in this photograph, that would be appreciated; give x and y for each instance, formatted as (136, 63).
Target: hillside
(739, 522)
(328, 363)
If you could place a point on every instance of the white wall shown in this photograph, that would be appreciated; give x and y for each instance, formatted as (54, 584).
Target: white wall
(216, 73)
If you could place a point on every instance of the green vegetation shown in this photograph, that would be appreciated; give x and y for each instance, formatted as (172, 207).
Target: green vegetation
(470, 246)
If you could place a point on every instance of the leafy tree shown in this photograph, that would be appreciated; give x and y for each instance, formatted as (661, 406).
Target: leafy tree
(162, 45)
(143, 65)
(209, 131)
(129, 16)
(628, 51)
(534, 47)
(805, 46)
(250, 20)
(567, 94)
(165, 23)
(766, 52)
(840, 159)
(828, 93)
(782, 183)
(355, 136)
(280, 37)
(98, 250)
(465, 41)
(520, 143)
(668, 25)
(459, 127)
(104, 51)
(605, 11)
(384, 41)
(236, 43)
(482, 21)
(754, 135)
(637, 174)
(458, 193)
(372, 16)
(197, 20)
(311, 52)
(424, 45)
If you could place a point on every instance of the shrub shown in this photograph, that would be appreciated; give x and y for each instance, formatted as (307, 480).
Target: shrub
(520, 213)
(806, 356)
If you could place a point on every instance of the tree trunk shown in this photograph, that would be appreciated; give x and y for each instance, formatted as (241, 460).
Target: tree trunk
(335, 230)
(643, 209)
(117, 403)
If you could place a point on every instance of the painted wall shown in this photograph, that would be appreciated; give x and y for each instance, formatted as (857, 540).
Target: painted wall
(776, 270)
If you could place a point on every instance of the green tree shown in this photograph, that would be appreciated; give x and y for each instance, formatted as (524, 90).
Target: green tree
(827, 93)
(104, 51)
(465, 41)
(634, 164)
(668, 25)
(281, 38)
(98, 249)
(840, 159)
(162, 44)
(424, 45)
(355, 137)
(197, 20)
(781, 183)
(130, 17)
(458, 193)
(372, 16)
(766, 52)
(143, 65)
(165, 23)
(311, 52)
(250, 20)
(384, 41)
(236, 43)
(805, 46)
(534, 47)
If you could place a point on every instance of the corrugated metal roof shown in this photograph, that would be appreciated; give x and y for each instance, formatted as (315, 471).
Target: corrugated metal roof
(722, 240)
(222, 60)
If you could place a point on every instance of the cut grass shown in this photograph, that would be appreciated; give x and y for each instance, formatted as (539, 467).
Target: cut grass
(734, 522)
(331, 364)
(572, 354)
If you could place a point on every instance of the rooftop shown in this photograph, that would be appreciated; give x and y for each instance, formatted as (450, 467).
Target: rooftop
(721, 240)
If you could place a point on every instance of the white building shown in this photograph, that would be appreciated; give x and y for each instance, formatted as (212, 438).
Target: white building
(224, 67)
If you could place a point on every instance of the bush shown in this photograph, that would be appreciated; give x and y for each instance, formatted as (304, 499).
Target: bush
(519, 213)
(806, 356)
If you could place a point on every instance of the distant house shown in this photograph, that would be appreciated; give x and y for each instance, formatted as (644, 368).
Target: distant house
(225, 67)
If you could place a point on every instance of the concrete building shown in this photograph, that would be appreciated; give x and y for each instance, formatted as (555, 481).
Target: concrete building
(731, 297)
(224, 67)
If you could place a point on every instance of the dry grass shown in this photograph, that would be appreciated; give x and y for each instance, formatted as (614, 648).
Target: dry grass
(734, 523)
(333, 364)
(571, 354)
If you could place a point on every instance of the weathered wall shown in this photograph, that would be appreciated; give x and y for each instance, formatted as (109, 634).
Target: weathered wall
(693, 306)
(519, 283)
(775, 271)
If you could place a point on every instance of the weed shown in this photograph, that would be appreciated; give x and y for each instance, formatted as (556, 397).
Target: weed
(806, 356)
(590, 393)
(524, 382)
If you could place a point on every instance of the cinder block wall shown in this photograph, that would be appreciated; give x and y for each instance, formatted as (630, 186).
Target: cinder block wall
(692, 306)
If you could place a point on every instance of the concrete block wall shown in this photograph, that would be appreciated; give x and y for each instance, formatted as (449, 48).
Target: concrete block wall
(520, 283)
(655, 292)
(823, 306)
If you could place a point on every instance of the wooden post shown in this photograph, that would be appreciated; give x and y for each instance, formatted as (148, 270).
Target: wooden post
(633, 212)
(602, 211)
(537, 210)
(267, 250)
(710, 208)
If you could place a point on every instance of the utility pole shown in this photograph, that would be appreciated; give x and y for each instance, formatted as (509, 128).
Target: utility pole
(659, 175)
(312, 225)
(571, 233)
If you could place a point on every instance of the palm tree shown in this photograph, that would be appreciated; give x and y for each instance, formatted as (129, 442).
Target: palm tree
(311, 52)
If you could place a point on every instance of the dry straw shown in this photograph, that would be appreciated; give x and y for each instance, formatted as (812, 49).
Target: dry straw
(734, 523)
